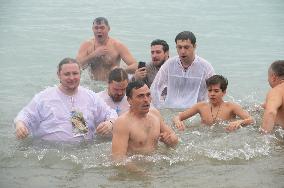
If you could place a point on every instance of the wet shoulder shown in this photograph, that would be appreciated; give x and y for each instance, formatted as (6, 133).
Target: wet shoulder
(115, 42)
(279, 88)
(47, 92)
(230, 105)
(201, 105)
(87, 43)
(153, 111)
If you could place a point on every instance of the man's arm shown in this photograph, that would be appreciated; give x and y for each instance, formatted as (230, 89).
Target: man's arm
(120, 140)
(83, 57)
(273, 103)
(105, 116)
(246, 119)
(178, 119)
(127, 57)
(167, 135)
(21, 130)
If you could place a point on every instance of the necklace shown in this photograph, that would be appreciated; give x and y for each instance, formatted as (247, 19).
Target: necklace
(214, 118)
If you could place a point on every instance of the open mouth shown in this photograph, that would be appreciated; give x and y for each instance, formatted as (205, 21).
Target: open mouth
(146, 106)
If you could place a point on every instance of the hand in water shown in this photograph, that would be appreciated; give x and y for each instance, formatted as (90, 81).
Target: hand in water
(21, 130)
(233, 125)
(179, 124)
(104, 128)
(166, 137)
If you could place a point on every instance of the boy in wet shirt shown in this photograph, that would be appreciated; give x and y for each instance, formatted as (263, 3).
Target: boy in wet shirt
(216, 109)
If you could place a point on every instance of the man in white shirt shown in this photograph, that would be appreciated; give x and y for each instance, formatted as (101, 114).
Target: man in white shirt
(114, 96)
(183, 75)
(67, 112)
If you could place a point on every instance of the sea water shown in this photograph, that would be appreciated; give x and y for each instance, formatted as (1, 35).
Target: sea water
(239, 38)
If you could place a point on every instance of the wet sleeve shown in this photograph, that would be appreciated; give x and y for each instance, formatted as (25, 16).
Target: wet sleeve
(103, 111)
(157, 87)
(30, 114)
(202, 95)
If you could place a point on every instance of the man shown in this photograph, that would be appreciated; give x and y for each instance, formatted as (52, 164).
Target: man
(67, 112)
(103, 53)
(183, 75)
(159, 54)
(274, 103)
(216, 109)
(114, 96)
(139, 129)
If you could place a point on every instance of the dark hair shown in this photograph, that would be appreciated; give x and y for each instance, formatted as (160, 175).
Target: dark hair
(66, 61)
(134, 84)
(217, 79)
(186, 35)
(278, 68)
(118, 75)
(161, 42)
(100, 20)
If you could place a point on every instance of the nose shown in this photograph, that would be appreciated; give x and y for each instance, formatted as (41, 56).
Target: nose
(182, 50)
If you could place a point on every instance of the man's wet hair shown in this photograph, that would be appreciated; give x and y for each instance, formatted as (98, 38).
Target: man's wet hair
(66, 60)
(118, 75)
(133, 85)
(277, 68)
(101, 20)
(161, 42)
(186, 35)
(217, 79)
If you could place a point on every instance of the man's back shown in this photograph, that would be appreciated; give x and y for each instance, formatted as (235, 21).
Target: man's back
(278, 91)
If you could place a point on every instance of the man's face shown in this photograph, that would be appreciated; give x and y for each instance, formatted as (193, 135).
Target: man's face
(215, 93)
(100, 31)
(116, 90)
(69, 76)
(140, 100)
(185, 50)
(158, 55)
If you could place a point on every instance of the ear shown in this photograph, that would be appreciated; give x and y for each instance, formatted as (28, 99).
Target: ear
(274, 77)
(167, 54)
(194, 46)
(129, 100)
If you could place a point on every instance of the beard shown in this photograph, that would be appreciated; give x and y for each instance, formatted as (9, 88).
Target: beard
(116, 98)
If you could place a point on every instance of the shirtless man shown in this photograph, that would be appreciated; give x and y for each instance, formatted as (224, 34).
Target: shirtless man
(274, 103)
(103, 53)
(139, 129)
(216, 109)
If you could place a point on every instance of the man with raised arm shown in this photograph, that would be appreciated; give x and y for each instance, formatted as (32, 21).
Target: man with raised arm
(102, 53)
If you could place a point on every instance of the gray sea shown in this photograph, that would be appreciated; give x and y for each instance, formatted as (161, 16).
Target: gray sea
(240, 38)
